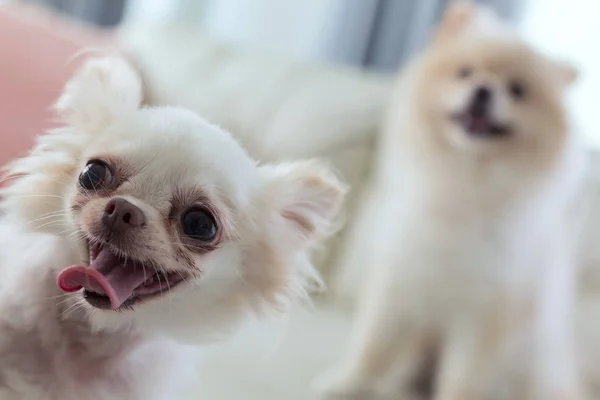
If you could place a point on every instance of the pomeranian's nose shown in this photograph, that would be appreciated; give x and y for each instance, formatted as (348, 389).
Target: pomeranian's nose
(120, 215)
(481, 101)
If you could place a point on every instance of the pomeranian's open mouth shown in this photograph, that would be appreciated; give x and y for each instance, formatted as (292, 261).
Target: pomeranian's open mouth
(115, 282)
(481, 125)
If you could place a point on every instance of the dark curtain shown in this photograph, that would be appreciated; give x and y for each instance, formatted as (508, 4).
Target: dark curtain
(382, 34)
(104, 13)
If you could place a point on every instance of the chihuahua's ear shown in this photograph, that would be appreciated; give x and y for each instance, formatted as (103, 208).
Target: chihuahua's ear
(101, 89)
(306, 197)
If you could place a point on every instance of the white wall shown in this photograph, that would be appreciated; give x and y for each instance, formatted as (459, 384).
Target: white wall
(571, 30)
(189, 11)
(299, 29)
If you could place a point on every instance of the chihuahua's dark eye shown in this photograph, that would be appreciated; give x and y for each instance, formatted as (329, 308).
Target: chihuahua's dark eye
(465, 72)
(95, 175)
(516, 90)
(199, 224)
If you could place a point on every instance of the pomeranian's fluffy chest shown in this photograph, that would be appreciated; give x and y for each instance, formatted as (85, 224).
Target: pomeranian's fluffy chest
(467, 244)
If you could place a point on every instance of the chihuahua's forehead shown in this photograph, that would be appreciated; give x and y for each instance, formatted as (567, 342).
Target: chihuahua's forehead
(163, 150)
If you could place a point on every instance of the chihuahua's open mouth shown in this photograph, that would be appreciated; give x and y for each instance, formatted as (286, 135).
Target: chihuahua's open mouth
(115, 282)
(481, 125)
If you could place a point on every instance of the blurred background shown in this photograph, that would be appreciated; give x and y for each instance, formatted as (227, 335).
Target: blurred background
(39, 37)
(375, 34)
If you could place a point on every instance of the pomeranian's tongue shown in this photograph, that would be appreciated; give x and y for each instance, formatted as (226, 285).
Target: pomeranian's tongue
(107, 275)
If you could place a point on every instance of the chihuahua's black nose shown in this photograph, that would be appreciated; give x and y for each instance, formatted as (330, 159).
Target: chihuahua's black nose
(482, 98)
(120, 215)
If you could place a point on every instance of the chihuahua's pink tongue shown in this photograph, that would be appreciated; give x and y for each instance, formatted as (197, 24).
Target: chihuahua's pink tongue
(107, 275)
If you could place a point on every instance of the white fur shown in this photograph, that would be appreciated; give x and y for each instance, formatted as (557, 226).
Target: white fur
(55, 346)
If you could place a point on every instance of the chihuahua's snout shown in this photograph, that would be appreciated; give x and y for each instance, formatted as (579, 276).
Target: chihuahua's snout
(120, 215)
(481, 100)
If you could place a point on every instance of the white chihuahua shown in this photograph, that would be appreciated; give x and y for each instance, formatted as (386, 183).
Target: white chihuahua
(159, 229)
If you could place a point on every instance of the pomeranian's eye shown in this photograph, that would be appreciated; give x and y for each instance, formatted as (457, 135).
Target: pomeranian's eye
(465, 72)
(95, 175)
(199, 224)
(516, 90)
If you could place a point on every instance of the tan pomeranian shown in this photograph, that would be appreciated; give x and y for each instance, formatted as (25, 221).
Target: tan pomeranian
(470, 244)
(159, 231)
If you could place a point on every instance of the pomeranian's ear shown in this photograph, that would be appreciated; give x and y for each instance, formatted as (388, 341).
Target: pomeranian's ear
(101, 89)
(307, 196)
(457, 16)
(465, 16)
(565, 73)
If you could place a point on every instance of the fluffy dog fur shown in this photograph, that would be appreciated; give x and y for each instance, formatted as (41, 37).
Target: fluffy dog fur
(58, 346)
(470, 233)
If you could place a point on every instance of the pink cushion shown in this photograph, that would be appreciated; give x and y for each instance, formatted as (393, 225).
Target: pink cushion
(35, 49)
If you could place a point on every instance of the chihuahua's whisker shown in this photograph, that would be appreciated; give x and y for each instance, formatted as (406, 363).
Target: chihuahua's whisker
(182, 276)
(157, 277)
(145, 274)
(48, 216)
(29, 196)
(70, 309)
(59, 296)
(64, 301)
(50, 223)
(168, 284)
(72, 235)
